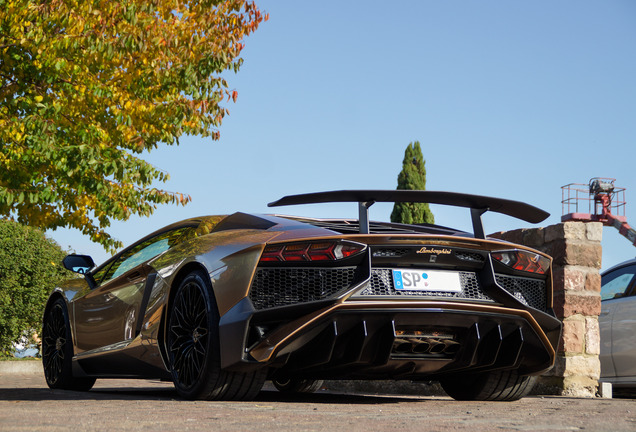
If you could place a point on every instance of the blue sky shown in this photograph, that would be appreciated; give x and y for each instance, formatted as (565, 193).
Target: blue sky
(509, 99)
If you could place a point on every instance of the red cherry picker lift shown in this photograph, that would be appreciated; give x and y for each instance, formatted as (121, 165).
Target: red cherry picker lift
(605, 203)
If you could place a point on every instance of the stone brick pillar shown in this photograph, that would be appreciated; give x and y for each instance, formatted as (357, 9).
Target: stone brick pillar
(576, 250)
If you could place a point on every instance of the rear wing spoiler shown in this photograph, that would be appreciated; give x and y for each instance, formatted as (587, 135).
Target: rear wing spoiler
(477, 204)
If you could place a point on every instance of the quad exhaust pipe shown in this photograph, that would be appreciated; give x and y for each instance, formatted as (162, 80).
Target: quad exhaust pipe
(414, 345)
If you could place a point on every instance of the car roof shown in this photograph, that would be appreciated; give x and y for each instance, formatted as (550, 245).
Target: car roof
(620, 265)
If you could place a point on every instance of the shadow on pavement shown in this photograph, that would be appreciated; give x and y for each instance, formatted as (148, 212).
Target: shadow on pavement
(42, 394)
(168, 393)
(332, 398)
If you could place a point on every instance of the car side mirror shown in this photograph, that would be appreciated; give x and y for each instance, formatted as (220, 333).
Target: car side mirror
(78, 263)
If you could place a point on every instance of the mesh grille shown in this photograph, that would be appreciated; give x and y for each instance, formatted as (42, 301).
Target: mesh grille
(389, 252)
(274, 287)
(530, 292)
(469, 256)
(382, 285)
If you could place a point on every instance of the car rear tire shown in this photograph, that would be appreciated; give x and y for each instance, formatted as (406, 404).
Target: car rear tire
(294, 385)
(194, 350)
(506, 385)
(57, 351)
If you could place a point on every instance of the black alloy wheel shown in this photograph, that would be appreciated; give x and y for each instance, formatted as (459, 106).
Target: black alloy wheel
(502, 385)
(193, 347)
(57, 351)
(189, 333)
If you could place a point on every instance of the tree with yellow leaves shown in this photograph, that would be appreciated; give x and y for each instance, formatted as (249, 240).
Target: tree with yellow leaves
(87, 86)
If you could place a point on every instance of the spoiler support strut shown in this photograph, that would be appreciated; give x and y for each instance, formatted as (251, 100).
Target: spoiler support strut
(478, 226)
(363, 216)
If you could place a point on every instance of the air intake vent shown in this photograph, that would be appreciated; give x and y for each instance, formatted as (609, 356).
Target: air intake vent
(273, 287)
(530, 292)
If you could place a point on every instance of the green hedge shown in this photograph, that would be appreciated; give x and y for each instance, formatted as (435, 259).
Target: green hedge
(30, 267)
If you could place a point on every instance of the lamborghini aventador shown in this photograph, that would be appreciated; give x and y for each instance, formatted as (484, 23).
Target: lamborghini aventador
(219, 304)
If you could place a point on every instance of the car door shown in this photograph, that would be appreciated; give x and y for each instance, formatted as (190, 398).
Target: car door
(624, 337)
(618, 323)
(110, 313)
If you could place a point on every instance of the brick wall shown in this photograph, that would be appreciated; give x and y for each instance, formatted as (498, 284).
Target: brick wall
(576, 250)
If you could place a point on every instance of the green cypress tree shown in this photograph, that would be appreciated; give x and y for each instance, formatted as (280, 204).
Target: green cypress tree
(412, 177)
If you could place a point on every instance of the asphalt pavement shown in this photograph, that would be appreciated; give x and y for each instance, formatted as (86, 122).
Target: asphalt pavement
(27, 404)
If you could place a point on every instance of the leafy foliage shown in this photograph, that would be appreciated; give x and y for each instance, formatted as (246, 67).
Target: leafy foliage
(412, 177)
(30, 266)
(86, 86)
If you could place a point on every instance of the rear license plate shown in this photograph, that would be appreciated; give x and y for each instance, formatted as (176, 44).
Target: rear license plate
(426, 280)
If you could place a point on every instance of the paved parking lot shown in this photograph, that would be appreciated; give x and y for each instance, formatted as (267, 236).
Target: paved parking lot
(26, 404)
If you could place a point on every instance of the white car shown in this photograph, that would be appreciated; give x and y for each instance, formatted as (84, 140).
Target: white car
(618, 325)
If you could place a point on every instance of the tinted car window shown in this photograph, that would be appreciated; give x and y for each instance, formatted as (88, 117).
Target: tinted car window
(617, 283)
(140, 254)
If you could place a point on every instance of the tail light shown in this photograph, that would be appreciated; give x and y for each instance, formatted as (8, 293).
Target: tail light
(523, 261)
(311, 251)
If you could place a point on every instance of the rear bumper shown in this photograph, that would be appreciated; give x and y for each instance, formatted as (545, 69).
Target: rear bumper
(391, 339)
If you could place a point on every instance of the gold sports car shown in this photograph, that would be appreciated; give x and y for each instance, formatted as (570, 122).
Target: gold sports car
(220, 304)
